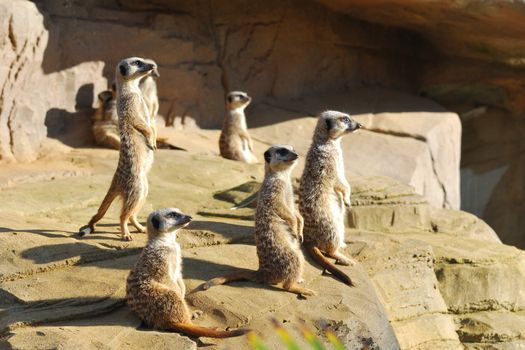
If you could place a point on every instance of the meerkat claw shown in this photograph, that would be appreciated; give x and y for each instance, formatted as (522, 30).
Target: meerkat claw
(85, 230)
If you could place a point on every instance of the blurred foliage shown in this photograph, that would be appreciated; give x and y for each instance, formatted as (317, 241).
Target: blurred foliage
(315, 344)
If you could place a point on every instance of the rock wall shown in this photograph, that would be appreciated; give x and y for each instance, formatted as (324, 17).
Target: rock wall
(473, 64)
(203, 48)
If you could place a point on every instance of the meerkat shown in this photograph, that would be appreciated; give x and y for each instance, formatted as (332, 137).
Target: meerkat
(148, 86)
(324, 192)
(155, 290)
(105, 121)
(137, 143)
(235, 143)
(278, 228)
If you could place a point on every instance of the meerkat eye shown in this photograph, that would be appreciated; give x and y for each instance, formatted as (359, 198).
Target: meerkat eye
(137, 63)
(282, 152)
(346, 120)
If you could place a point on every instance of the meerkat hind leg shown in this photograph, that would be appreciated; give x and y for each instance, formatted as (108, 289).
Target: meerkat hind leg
(124, 231)
(104, 206)
(137, 224)
(294, 288)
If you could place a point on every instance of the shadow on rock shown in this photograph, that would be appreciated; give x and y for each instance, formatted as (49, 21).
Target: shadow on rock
(73, 128)
(235, 232)
(205, 270)
(81, 253)
(53, 310)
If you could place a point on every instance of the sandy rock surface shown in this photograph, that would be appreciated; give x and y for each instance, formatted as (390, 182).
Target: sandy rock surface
(57, 289)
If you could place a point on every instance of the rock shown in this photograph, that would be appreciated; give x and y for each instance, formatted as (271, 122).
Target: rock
(411, 141)
(491, 327)
(23, 41)
(58, 289)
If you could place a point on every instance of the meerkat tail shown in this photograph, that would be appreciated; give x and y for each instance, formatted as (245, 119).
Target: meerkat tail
(247, 201)
(104, 206)
(236, 276)
(316, 254)
(197, 331)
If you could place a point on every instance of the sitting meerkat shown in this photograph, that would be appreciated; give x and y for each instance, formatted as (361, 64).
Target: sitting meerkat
(148, 86)
(235, 143)
(278, 228)
(155, 290)
(137, 143)
(324, 192)
(105, 121)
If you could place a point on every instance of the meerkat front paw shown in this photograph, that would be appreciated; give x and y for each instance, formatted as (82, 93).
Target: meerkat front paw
(127, 237)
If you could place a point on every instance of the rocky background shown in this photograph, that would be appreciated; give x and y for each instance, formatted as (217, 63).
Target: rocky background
(466, 55)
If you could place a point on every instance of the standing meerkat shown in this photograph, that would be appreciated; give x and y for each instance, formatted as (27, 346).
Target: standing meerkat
(105, 121)
(148, 86)
(235, 143)
(137, 143)
(278, 228)
(324, 192)
(155, 290)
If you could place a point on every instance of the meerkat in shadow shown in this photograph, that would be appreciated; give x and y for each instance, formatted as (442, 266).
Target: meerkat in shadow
(324, 192)
(137, 143)
(105, 121)
(278, 228)
(235, 143)
(148, 86)
(155, 290)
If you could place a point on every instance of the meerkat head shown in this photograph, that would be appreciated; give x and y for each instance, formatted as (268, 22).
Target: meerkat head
(336, 124)
(167, 220)
(280, 157)
(133, 69)
(105, 96)
(237, 99)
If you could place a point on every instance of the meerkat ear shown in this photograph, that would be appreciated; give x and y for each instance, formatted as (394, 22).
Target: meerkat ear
(267, 156)
(329, 124)
(155, 222)
(123, 69)
(230, 98)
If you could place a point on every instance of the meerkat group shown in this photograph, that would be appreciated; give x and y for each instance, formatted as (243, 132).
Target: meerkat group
(155, 289)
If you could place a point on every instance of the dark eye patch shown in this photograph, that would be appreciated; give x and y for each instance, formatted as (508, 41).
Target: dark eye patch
(173, 215)
(346, 120)
(137, 63)
(282, 152)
